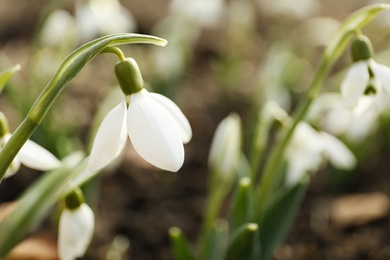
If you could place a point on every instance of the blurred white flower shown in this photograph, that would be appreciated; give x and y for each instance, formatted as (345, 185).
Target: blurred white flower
(364, 80)
(31, 155)
(225, 151)
(206, 13)
(156, 126)
(99, 17)
(58, 28)
(298, 8)
(76, 228)
(308, 149)
(355, 124)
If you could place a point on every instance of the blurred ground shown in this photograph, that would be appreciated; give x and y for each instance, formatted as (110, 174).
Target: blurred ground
(139, 204)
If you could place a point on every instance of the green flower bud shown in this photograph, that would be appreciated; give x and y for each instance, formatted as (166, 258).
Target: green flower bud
(361, 49)
(74, 199)
(129, 76)
(4, 128)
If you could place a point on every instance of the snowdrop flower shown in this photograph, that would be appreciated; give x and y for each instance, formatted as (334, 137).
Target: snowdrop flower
(365, 78)
(155, 125)
(225, 148)
(76, 227)
(31, 154)
(307, 150)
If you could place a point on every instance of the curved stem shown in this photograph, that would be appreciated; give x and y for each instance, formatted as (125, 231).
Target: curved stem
(116, 51)
(67, 71)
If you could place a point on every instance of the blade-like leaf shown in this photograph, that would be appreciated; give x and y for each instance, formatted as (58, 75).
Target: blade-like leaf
(279, 216)
(244, 243)
(214, 246)
(241, 210)
(180, 246)
(5, 75)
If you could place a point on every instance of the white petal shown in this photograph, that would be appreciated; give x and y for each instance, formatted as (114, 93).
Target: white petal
(338, 153)
(15, 164)
(225, 150)
(75, 232)
(153, 132)
(382, 73)
(13, 168)
(354, 83)
(110, 138)
(36, 157)
(183, 125)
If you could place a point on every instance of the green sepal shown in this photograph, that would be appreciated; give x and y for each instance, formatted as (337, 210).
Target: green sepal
(279, 215)
(179, 244)
(129, 76)
(361, 49)
(5, 75)
(244, 243)
(74, 199)
(241, 210)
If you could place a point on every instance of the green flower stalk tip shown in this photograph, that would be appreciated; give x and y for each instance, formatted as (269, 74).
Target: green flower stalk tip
(129, 76)
(174, 232)
(245, 182)
(74, 199)
(361, 49)
(253, 227)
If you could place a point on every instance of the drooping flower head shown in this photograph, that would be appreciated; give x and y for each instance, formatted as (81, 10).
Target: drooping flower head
(76, 227)
(155, 125)
(31, 154)
(308, 149)
(365, 78)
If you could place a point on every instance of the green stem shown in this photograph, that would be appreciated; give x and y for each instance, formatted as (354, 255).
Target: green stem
(67, 71)
(336, 46)
(116, 51)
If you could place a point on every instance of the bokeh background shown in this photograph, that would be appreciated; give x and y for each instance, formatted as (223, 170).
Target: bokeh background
(222, 56)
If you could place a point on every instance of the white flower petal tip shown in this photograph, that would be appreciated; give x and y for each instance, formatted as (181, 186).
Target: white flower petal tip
(338, 153)
(153, 132)
(180, 119)
(110, 138)
(76, 229)
(36, 157)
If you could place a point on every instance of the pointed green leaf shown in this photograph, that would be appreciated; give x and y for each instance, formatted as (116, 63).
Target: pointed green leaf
(180, 246)
(244, 243)
(214, 246)
(241, 210)
(5, 75)
(279, 215)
